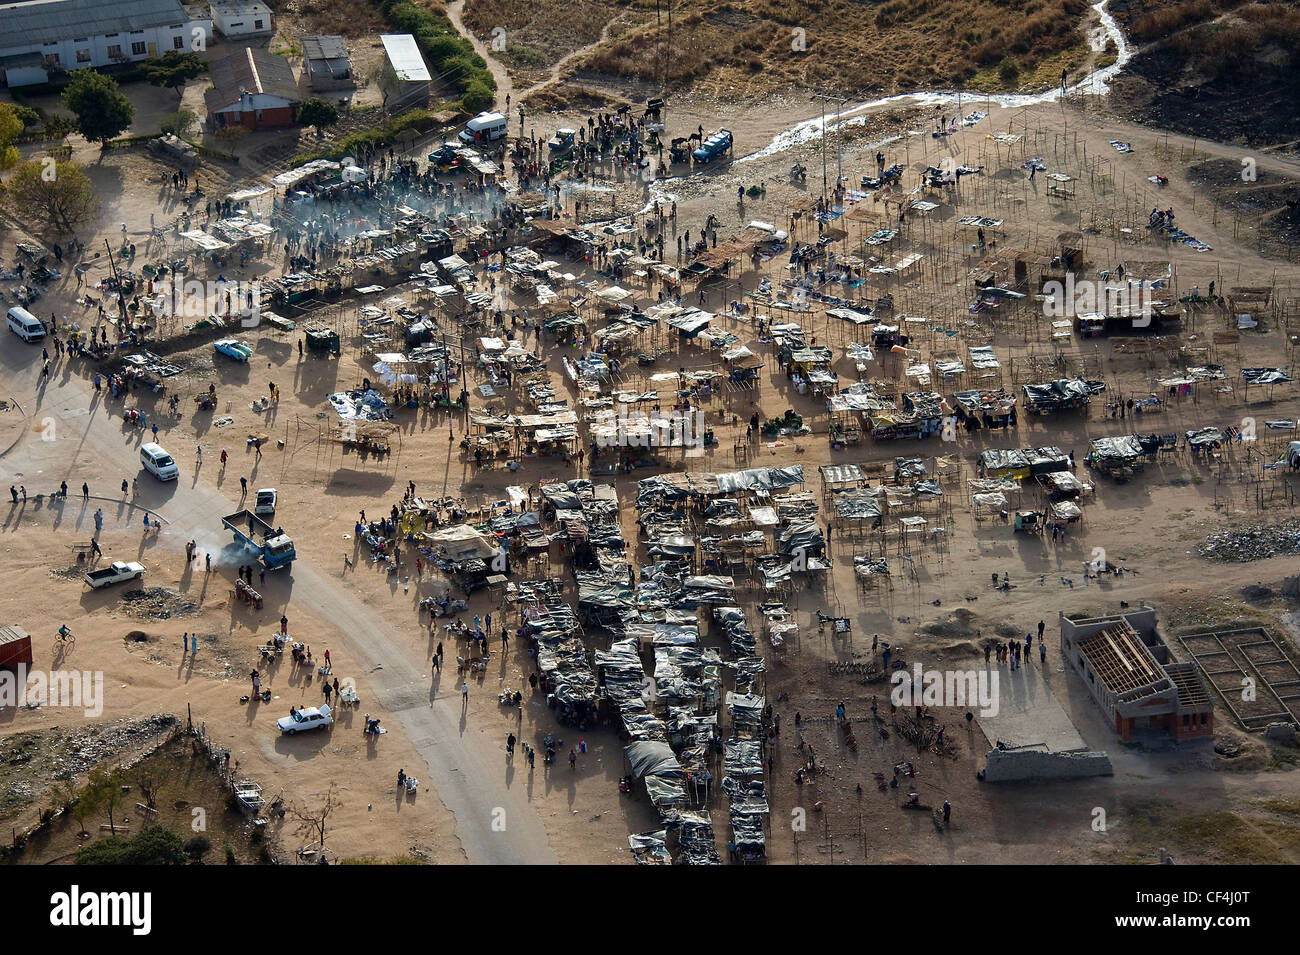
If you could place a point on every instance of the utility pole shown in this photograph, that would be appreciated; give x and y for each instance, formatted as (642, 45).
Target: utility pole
(839, 102)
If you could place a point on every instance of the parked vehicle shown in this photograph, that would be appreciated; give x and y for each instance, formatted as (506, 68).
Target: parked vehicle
(265, 501)
(716, 145)
(562, 142)
(485, 127)
(116, 573)
(311, 718)
(233, 348)
(25, 325)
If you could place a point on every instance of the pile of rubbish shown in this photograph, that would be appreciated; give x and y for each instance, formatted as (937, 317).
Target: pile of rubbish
(1253, 542)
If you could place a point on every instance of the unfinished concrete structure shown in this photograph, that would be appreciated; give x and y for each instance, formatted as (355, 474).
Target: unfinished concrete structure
(1130, 673)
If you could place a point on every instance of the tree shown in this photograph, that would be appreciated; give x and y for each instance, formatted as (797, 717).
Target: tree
(477, 98)
(173, 70)
(11, 124)
(105, 791)
(312, 822)
(198, 847)
(178, 123)
(102, 110)
(153, 845)
(318, 113)
(52, 191)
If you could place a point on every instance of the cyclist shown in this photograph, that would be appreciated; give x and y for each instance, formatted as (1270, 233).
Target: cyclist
(64, 632)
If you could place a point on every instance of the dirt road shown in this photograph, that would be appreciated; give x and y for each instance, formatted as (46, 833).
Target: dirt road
(465, 776)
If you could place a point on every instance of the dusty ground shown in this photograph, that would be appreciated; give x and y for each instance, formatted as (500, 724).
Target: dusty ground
(370, 624)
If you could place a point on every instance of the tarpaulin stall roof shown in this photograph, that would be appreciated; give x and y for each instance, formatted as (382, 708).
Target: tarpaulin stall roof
(1264, 376)
(840, 473)
(1204, 436)
(653, 758)
(650, 848)
(605, 593)
(691, 322)
(852, 315)
(800, 535)
(857, 507)
(665, 791)
(1118, 447)
(760, 478)
(463, 542)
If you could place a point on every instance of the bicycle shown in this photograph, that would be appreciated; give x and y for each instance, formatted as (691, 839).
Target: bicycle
(64, 640)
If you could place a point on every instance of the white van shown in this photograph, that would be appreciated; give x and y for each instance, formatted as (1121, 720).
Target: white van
(25, 325)
(485, 127)
(158, 462)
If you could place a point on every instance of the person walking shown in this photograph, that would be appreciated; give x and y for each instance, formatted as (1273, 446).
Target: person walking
(85, 491)
(243, 486)
(1041, 627)
(464, 696)
(573, 759)
(510, 746)
(1042, 653)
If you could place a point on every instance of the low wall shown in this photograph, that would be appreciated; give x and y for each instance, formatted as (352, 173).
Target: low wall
(1011, 765)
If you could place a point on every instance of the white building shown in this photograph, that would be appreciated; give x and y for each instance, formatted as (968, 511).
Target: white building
(39, 38)
(405, 80)
(240, 18)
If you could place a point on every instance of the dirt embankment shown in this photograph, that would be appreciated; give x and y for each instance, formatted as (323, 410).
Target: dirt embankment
(1199, 58)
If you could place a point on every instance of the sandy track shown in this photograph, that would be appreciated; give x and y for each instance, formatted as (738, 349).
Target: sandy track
(465, 776)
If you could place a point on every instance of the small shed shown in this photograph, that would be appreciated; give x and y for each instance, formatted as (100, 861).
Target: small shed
(15, 648)
(405, 80)
(325, 63)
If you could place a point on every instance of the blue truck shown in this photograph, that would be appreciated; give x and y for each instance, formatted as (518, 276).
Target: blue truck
(271, 544)
(716, 145)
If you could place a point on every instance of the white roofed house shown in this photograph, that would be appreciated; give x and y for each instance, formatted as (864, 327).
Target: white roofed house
(240, 18)
(405, 81)
(41, 38)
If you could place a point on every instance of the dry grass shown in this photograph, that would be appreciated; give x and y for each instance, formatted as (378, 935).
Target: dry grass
(348, 18)
(754, 47)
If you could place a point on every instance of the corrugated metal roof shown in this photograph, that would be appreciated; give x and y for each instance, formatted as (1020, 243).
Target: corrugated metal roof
(254, 71)
(404, 55)
(38, 22)
(324, 48)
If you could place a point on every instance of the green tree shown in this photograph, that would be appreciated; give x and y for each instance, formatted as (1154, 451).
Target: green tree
(477, 98)
(153, 845)
(105, 790)
(178, 123)
(52, 191)
(102, 110)
(173, 70)
(318, 113)
(10, 126)
(28, 115)
(198, 847)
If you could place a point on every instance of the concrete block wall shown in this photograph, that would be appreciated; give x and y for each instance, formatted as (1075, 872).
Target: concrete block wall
(1013, 765)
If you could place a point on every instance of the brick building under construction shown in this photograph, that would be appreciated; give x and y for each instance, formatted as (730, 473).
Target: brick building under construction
(1130, 673)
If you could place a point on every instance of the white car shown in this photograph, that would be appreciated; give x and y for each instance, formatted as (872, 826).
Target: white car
(312, 718)
(265, 503)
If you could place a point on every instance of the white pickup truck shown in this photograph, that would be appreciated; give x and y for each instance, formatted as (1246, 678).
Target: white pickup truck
(115, 573)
